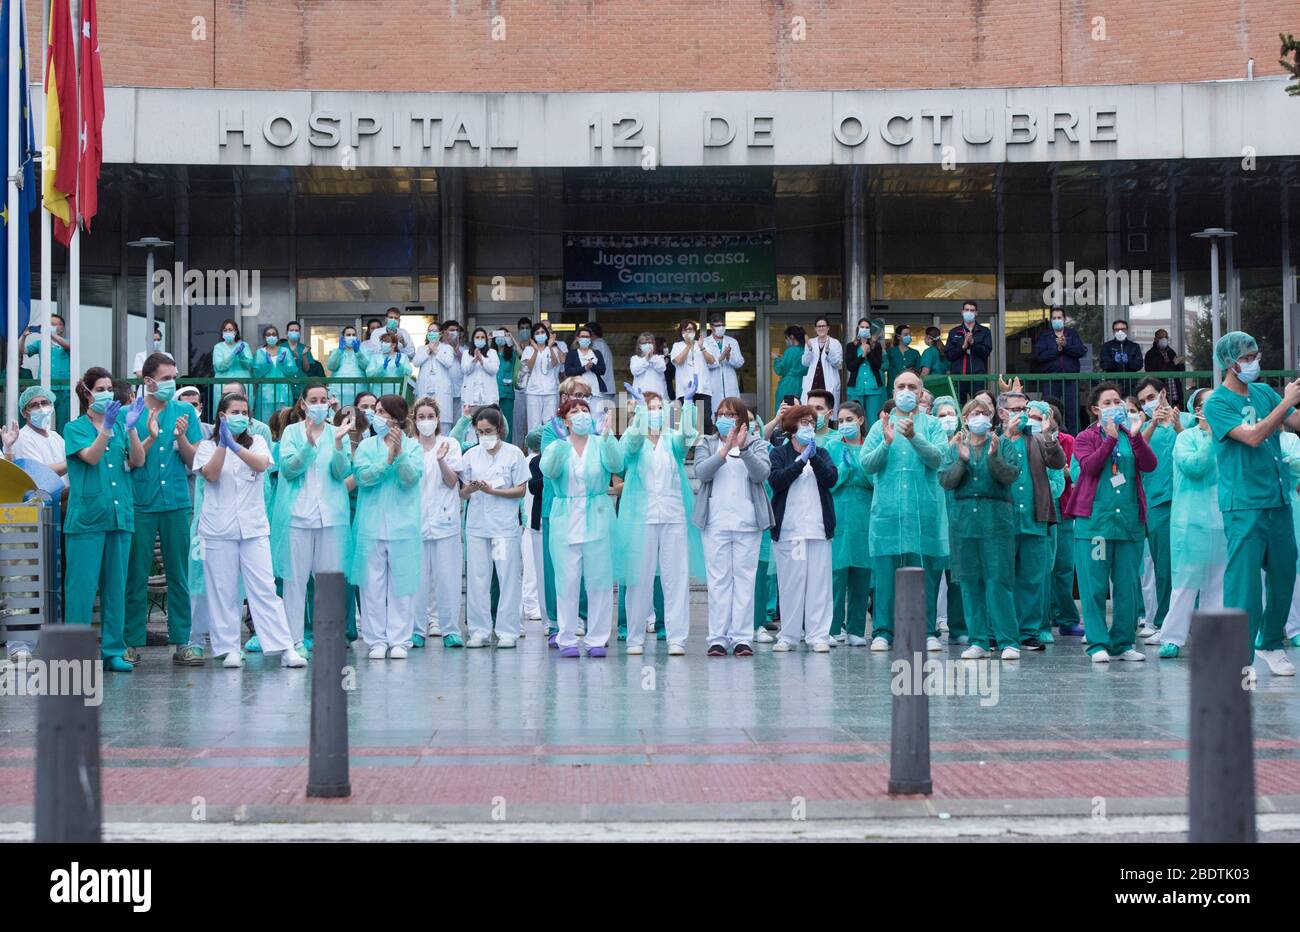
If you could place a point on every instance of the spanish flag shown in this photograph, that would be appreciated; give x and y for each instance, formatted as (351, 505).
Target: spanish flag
(59, 172)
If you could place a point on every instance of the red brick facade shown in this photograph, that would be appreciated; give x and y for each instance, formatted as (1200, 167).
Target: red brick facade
(687, 45)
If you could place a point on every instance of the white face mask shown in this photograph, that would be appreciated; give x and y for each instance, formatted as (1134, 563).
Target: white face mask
(489, 442)
(427, 428)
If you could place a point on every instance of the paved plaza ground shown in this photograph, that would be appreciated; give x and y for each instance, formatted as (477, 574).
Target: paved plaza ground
(522, 744)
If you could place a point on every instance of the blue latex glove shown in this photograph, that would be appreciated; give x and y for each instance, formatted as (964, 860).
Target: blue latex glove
(691, 387)
(225, 437)
(635, 393)
(134, 413)
(110, 414)
(600, 423)
(241, 348)
(808, 452)
(845, 456)
(561, 431)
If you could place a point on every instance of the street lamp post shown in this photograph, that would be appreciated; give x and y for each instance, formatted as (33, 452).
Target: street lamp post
(1214, 234)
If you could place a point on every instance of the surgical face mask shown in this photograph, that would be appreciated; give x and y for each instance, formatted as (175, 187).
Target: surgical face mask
(647, 347)
(523, 335)
(949, 423)
(1035, 427)
(238, 423)
(157, 344)
(427, 428)
(979, 424)
(864, 333)
(688, 336)
(272, 339)
(317, 413)
(805, 434)
(479, 343)
(1121, 335)
(165, 390)
(725, 426)
(351, 343)
(1149, 409)
(294, 336)
(100, 400)
(968, 316)
(719, 332)
(392, 325)
(377, 424)
(433, 336)
(502, 341)
(821, 421)
(228, 336)
(453, 335)
(539, 337)
(489, 441)
(1058, 324)
(1163, 342)
(387, 348)
(905, 339)
(584, 342)
(581, 423)
(849, 430)
(655, 419)
(1117, 415)
(905, 400)
(40, 418)
(1248, 371)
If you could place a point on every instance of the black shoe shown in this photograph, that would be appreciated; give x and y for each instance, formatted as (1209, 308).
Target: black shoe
(1032, 644)
(717, 650)
(740, 650)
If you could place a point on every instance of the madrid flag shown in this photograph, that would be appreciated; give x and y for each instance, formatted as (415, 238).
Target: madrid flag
(59, 192)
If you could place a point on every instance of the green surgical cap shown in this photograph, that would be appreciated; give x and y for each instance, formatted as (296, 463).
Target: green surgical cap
(31, 394)
(1042, 407)
(1232, 346)
(945, 400)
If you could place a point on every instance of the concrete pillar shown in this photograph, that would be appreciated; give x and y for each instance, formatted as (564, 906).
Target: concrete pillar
(909, 736)
(69, 798)
(327, 768)
(451, 275)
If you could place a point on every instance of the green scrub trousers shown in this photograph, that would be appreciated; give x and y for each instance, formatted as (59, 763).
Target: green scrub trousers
(174, 529)
(1117, 571)
(852, 588)
(956, 611)
(97, 561)
(1032, 574)
(1064, 611)
(882, 571)
(1261, 538)
(1158, 542)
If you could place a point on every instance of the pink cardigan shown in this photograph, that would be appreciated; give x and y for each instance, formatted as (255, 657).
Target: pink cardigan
(1092, 449)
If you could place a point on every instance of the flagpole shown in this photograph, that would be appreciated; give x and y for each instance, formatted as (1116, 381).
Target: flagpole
(11, 227)
(73, 334)
(47, 219)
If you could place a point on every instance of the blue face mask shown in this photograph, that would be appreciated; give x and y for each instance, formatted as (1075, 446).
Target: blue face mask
(805, 435)
(380, 427)
(479, 343)
(1248, 371)
(1149, 409)
(584, 342)
(392, 326)
(351, 343)
(539, 338)
(905, 400)
(864, 333)
(906, 339)
(502, 341)
(581, 423)
(238, 423)
(968, 316)
(1035, 427)
(1058, 325)
(100, 401)
(433, 336)
(317, 413)
(655, 419)
(294, 336)
(40, 418)
(165, 390)
(849, 431)
(523, 335)
(1118, 415)
(979, 424)
(228, 337)
(272, 339)
(647, 347)
(725, 426)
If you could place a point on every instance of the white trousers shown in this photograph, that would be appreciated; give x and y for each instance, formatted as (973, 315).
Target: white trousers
(731, 563)
(531, 547)
(1148, 587)
(942, 601)
(803, 581)
(312, 550)
(225, 564)
(439, 592)
(1178, 620)
(600, 602)
(483, 555)
(541, 408)
(1293, 617)
(664, 549)
(386, 617)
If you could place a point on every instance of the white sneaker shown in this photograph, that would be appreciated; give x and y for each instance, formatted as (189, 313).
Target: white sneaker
(974, 652)
(783, 647)
(534, 615)
(397, 652)
(291, 658)
(434, 630)
(234, 660)
(650, 626)
(841, 638)
(1101, 657)
(943, 625)
(478, 640)
(1153, 641)
(505, 643)
(635, 650)
(933, 644)
(1010, 653)
(835, 642)
(1277, 661)
(821, 647)
(763, 636)
(676, 650)
(1134, 656)
(582, 633)
(378, 651)
(879, 644)
(855, 641)
(1145, 631)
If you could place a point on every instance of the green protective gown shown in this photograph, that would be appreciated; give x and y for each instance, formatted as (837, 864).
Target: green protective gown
(331, 466)
(387, 367)
(507, 374)
(934, 360)
(909, 515)
(1034, 549)
(593, 502)
(1195, 522)
(789, 366)
(629, 528)
(388, 508)
(984, 531)
(60, 377)
(1159, 488)
(1291, 456)
(229, 365)
(275, 364)
(899, 360)
(347, 364)
(867, 391)
(851, 545)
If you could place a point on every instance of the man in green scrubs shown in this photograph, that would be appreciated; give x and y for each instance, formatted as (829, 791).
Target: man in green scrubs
(1162, 427)
(1255, 493)
(60, 372)
(163, 508)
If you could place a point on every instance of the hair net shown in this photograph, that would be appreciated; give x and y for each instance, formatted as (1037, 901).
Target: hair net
(31, 394)
(1232, 346)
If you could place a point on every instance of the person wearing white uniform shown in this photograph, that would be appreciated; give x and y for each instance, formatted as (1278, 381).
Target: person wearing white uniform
(691, 360)
(722, 380)
(443, 555)
(495, 476)
(454, 337)
(479, 364)
(583, 362)
(37, 439)
(392, 325)
(235, 538)
(732, 511)
(138, 366)
(433, 363)
(823, 356)
(311, 522)
(544, 363)
(652, 537)
(648, 366)
(801, 478)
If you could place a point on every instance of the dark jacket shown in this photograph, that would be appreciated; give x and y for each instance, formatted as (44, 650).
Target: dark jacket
(1059, 359)
(1043, 455)
(972, 361)
(573, 367)
(1117, 356)
(853, 360)
(786, 469)
(1162, 360)
(535, 486)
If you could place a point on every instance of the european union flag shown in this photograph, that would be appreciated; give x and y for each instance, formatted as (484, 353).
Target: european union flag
(27, 193)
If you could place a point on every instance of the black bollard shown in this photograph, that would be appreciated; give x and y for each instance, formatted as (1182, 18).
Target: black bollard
(1221, 759)
(909, 739)
(69, 798)
(327, 769)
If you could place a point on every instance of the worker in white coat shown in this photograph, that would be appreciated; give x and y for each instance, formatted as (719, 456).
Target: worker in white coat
(234, 538)
(495, 478)
(541, 365)
(823, 356)
(648, 366)
(722, 378)
(440, 505)
(479, 364)
(432, 363)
